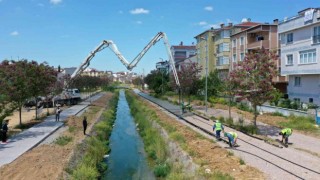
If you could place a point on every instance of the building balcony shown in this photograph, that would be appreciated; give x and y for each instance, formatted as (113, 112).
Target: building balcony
(259, 44)
(280, 79)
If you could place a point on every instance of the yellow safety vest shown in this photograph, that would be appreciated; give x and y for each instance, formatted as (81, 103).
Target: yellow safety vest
(234, 134)
(218, 126)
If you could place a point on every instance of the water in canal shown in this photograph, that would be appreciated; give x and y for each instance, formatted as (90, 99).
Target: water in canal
(127, 158)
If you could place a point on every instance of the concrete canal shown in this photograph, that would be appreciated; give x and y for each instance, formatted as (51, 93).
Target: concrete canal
(127, 159)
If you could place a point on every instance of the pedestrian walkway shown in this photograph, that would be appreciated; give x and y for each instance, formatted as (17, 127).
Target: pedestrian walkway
(299, 141)
(31, 137)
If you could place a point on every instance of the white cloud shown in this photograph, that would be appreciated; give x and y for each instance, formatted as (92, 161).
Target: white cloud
(14, 33)
(208, 8)
(55, 2)
(139, 11)
(139, 22)
(202, 23)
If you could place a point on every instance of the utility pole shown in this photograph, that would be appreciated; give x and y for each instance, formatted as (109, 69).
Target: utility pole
(206, 84)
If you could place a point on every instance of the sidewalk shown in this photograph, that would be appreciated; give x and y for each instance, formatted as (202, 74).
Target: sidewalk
(31, 137)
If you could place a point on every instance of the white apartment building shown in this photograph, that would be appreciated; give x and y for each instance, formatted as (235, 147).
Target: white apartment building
(300, 48)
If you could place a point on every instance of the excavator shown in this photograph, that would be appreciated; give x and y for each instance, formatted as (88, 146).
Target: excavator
(109, 43)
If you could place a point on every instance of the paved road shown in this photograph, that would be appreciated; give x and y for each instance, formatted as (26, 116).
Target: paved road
(31, 137)
(251, 150)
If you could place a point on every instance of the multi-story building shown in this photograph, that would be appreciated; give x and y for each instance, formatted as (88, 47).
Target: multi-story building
(249, 36)
(300, 47)
(222, 43)
(182, 52)
(206, 51)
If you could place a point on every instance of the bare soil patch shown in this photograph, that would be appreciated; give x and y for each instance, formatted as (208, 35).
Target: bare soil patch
(50, 161)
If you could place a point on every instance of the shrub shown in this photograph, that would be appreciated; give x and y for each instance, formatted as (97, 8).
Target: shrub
(241, 161)
(84, 172)
(244, 107)
(63, 140)
(162, 170)
(277, 114)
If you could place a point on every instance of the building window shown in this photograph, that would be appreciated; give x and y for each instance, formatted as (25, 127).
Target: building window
(297, 81)
(241, 40)
(289, 38)
(234, 58)
(226, 47)
(307, 57)
(316, 34)
(289, 59)
(225, 60)
(310, 100)
(234, 43)
(241, 56)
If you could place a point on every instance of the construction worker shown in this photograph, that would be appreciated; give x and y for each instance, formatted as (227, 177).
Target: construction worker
(218, 127)
(232, 137)
(286, 132)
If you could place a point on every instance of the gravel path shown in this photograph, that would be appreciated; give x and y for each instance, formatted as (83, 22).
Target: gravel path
(253, 151)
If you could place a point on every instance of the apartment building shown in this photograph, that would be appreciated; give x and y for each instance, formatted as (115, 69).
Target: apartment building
(300, 47)
(249, 36)
(222, 43)
(206, 50)
(181, 51)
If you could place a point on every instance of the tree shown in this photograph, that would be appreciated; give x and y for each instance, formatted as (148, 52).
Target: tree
(154, 81)
(188, 77)
(252, 77)
(214, 83)
(14, 82)
(21, 80)
(43, 77)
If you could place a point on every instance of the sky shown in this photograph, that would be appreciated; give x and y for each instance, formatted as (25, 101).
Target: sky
(64, 32)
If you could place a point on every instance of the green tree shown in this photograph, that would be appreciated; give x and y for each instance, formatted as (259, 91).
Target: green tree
(252, 77)
(188, 77)
(215, 85)
(154, 81)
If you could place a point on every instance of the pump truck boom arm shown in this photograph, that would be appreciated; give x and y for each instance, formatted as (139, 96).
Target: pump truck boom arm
(135, 61)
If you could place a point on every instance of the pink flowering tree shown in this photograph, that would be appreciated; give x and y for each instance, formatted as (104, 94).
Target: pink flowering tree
(252, 77)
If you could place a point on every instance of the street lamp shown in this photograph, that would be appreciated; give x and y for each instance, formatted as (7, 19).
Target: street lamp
(161, 69)
(206, 88)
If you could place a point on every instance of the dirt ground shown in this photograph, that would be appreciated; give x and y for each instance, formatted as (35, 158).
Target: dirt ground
(50, 161)
(26, 116)
(210, 155)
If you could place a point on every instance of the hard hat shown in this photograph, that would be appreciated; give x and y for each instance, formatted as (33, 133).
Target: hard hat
(217, 121)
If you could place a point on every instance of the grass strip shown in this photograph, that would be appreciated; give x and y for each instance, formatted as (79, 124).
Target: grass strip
(92, 165)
